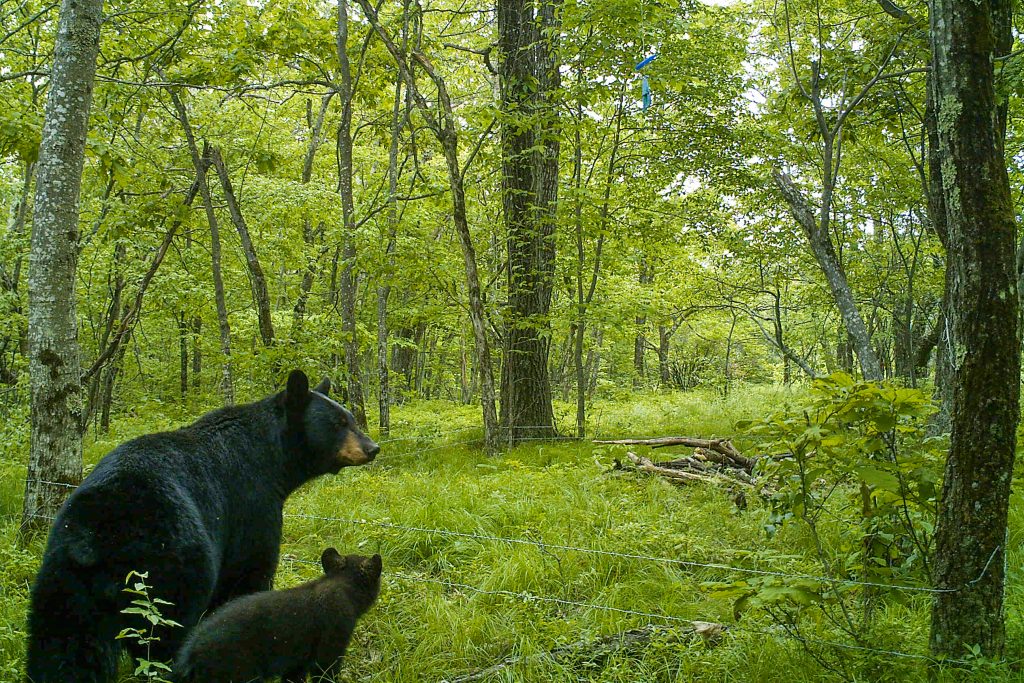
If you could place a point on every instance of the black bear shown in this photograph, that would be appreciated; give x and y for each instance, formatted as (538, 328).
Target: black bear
(288, 633)
(199, 509)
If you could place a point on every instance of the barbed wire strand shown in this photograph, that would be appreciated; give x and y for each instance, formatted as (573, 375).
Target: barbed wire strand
(639, 556)
(434, 435)
(628, 556)
(530, 597)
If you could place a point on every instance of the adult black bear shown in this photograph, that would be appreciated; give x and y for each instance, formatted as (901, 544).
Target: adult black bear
(287, 633)
(199, 509)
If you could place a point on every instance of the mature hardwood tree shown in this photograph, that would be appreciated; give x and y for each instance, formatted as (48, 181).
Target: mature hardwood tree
(972, 526)
(530, 145)
(55, 456)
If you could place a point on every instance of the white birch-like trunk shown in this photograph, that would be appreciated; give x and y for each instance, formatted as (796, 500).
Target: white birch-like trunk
(55, 457)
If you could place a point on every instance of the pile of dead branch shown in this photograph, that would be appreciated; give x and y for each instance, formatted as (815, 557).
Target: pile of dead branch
(714, 461)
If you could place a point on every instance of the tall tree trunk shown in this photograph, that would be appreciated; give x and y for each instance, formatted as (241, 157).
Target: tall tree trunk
(942, 421)
(529, 80)
(201, 163)
(816, 231)
(441, 120)
(116, 287)
(583, 300)
(530, 146)
(197, 353)
(639, 338)
(55, 454)
(110, 372)
(384, 290)
(16, 227)
(727, 365)
(313, 257)
(664, 336)
(261, 296)
(348, 239)
(971, 537)
(183, 353)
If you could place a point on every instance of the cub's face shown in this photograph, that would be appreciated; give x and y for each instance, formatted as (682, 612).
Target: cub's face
(329, 432)
(360, 572)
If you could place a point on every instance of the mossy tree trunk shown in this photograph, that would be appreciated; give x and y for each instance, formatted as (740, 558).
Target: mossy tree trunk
(983, 309)
(55, 453)
(529, 78)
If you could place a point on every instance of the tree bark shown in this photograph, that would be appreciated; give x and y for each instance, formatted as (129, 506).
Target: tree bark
(183, 353)
(639, 339)
(201, 163)
(308, 234)
(384, 289)
(348, 243)
(110, 372)
(529, 81)
(942, 421)
(441, 120)
(260, 294)
(16, 227)
(971, 536)
(821, 245)
(197, 353)
(55, 453)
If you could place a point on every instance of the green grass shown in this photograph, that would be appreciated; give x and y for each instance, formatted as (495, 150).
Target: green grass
(424, 628)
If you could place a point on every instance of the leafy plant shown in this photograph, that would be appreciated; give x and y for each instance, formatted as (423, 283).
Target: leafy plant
(148, 608)
(856, 470)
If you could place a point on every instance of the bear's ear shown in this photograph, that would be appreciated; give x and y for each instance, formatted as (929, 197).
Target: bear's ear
(324, 387)
(332, 561)
(296, 394)
(372, 567)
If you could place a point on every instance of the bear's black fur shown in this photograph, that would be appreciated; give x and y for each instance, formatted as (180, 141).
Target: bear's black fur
(199, 509)
(288, 633)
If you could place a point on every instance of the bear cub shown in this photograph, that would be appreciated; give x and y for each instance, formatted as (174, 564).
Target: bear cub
(288, 633)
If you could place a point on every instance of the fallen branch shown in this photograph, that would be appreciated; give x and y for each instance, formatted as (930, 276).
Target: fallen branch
(646, 465)
(687, 469)
(722, 447)
(599, 650)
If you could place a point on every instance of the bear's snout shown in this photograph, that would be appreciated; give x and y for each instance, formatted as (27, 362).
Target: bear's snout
(357, 449)
(371, 448)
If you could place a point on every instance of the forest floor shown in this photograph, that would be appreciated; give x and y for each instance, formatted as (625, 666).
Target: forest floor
(518, 577)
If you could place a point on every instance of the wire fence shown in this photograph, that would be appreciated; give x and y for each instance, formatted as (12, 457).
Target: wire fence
(545, 546)
(669, 561)
(656, 618)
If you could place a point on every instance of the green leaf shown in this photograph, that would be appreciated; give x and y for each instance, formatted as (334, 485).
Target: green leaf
(878, 479)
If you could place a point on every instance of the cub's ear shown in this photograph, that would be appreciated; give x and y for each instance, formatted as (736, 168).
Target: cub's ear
(324, 387)
(372, 567)
(332, 561)
(296, 394)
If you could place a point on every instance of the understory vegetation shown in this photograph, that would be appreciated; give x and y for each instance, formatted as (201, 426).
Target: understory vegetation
(457, 603)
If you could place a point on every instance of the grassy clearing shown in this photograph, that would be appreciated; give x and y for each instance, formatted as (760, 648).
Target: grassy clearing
(434, 476)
